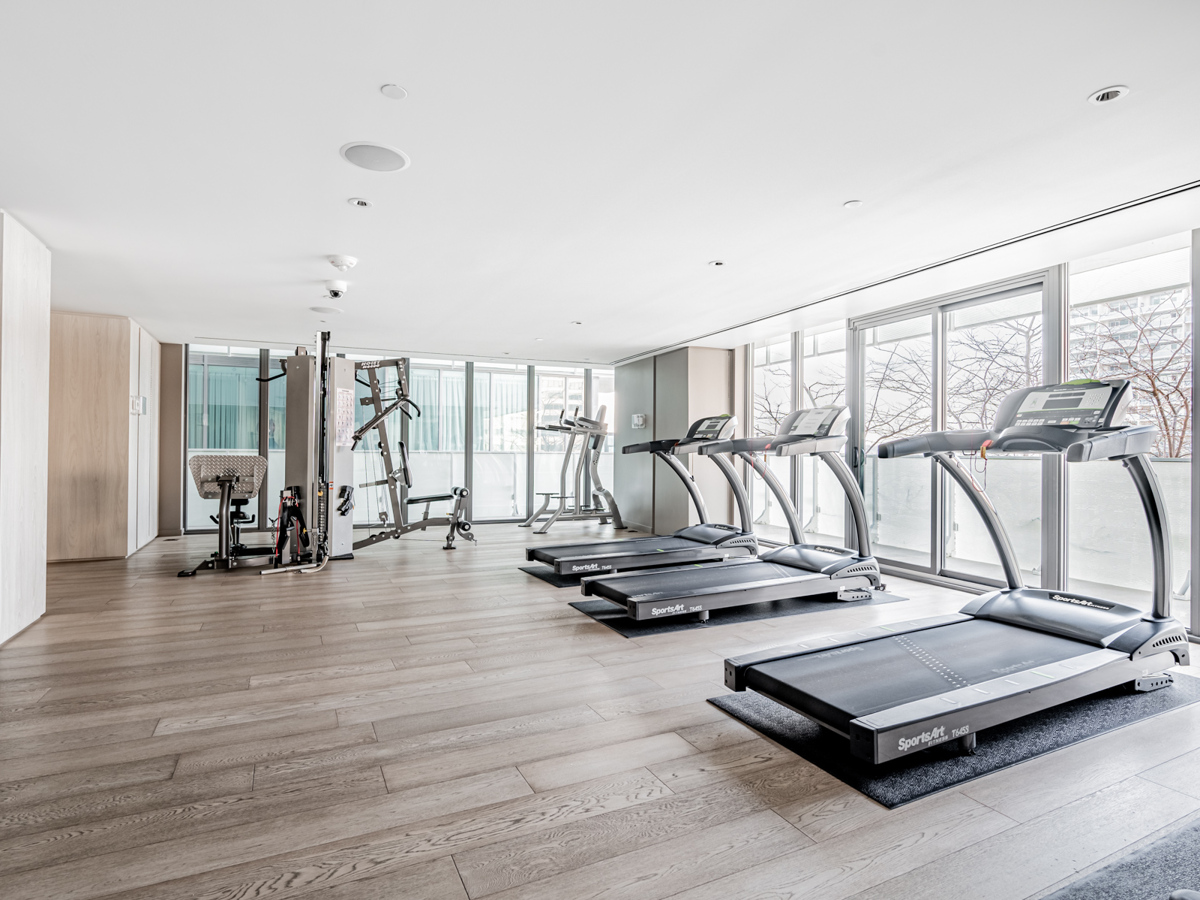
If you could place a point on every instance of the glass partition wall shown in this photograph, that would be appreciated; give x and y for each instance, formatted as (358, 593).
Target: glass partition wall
(473, 431)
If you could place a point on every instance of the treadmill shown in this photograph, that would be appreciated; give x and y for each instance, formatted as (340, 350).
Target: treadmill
(706, 542)
(895, 689)
(799, 570)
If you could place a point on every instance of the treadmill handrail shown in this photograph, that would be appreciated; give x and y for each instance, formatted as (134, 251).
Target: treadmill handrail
(1114, 444)
(689, 483)
(987, 512)
(934, 442)
(795, 530)
(1150, 493)
(661, 446)
(739, 491)
(858, 508)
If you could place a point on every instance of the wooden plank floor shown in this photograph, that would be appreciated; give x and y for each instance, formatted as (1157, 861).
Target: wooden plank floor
(424, 724)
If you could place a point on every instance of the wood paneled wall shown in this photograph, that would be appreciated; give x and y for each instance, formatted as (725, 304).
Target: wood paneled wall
(103, 494)
(171, 415)
(24, 390)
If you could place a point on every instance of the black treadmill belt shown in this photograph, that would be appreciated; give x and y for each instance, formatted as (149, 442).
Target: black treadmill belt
(842, 684)
(690, 579)
(552, 555)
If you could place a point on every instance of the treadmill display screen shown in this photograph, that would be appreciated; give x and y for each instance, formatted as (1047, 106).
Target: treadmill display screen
(1064, 405)
(815, 422)
(710, 429)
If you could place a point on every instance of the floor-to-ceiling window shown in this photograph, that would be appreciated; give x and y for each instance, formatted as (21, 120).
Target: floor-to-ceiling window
(501, 426)
(1131, 317)
(822, 374)
(993, 347)
(437, 438)
(774, 400)
(230, 410)
(897, 401)
(947, 363)
(223, 415)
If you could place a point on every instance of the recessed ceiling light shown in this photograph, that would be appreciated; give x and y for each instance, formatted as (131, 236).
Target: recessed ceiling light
(716, 262)
(1108, 94)
(852, 204)
(326, 310)
(360, 202)
(376, 157)
(539, 339)
(394, 91)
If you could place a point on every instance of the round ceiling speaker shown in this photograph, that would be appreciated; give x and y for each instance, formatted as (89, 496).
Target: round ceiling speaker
(376, 157)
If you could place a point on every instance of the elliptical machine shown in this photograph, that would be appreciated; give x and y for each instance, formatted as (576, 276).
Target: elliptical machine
(602, 506)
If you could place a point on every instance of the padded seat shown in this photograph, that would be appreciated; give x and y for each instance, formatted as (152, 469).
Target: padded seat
(430, 498)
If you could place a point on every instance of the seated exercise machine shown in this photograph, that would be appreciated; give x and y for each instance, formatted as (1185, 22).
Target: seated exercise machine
(895, 689)
(233, 481)
(704, 542)
(787, 573)
(590, 435)
(398, 522)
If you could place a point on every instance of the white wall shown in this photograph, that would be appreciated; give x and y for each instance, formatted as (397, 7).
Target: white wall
(24, 424)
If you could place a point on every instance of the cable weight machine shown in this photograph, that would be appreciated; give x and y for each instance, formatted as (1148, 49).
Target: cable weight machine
(398, 472)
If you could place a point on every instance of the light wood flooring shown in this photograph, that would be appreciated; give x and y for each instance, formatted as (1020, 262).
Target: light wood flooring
(427, 724)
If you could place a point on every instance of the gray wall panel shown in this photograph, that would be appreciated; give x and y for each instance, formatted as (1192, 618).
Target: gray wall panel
(633, 475)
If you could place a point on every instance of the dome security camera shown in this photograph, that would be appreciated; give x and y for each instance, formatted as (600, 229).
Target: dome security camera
(337, 289)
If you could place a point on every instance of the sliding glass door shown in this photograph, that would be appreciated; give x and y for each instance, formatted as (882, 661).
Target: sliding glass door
(897, 401)
(946, 366)
(992, 348)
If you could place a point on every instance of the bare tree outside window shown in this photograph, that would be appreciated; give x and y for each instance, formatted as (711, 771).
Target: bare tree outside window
(898, 387)
(986, 363)
(1146, 339)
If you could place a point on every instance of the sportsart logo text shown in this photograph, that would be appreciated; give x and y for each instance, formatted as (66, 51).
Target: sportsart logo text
(1080, 601)
(667, 610)
(586, 567)
(935, 736)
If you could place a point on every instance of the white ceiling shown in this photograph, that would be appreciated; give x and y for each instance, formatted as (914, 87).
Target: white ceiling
(570, 160)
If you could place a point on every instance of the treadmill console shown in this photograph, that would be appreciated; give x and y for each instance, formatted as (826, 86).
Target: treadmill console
(820, 422)
(714, 428)
(1081, 404)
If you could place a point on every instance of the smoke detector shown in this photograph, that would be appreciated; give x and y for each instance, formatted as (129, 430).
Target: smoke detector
(343, 263)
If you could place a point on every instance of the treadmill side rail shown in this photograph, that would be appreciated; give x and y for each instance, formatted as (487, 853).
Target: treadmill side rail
(736, 667)
(905, 729)
(587, 584)
(678, 603)
(604, 563)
